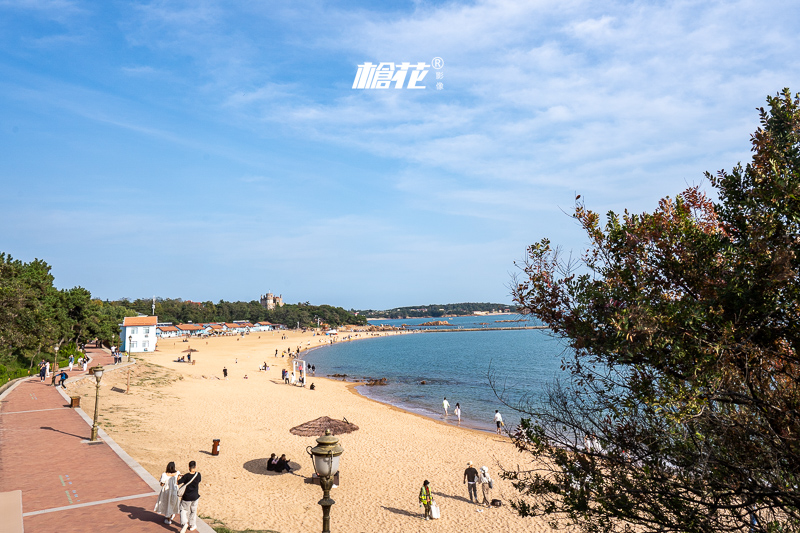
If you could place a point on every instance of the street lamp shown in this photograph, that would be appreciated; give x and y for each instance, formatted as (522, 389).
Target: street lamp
(55, 363)
(325, 458)
(98, 375)
(130, 340)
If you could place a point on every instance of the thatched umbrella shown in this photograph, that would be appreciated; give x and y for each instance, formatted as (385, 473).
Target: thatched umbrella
(317, 427)
(190, 350)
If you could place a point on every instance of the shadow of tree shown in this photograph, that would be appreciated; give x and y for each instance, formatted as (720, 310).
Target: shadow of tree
(259, 466)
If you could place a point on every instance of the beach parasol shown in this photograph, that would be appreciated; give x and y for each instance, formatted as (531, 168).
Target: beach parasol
(190, 350)
(318, 426)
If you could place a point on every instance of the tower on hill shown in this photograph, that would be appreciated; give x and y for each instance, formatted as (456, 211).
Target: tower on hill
(270, 301)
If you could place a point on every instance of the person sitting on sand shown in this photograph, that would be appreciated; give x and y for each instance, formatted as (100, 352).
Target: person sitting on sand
(311, 387)
(283, 464)
(272, 462)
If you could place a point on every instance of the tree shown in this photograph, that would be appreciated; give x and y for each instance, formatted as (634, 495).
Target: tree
(681, 406)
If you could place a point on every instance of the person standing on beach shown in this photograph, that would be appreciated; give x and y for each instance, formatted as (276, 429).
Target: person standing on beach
(457, 411)
(190, 497)
(446, 405)
(486, 487)
(498, 419)
(471, 479)
(71, 361)
(225, 372)
(425, 499)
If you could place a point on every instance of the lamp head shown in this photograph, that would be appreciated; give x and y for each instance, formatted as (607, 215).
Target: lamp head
(325, 455)
(98, 373)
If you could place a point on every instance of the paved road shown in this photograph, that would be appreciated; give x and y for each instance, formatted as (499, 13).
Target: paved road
(69, 485)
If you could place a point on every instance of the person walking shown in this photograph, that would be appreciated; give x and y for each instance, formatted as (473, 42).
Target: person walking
(224, 372)
(168, 500)
(446, 405)
(189, 498)
(62, 379)
(85, 363)
(425, 499)
(486, 487)
(41, 372)
(471, 479)
(498, 419)
(71, 361)
(457, 411)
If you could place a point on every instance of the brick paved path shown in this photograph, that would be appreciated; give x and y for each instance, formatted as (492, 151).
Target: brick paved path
(67, 484)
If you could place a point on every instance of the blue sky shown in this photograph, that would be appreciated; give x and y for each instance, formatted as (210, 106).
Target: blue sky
(216, 150)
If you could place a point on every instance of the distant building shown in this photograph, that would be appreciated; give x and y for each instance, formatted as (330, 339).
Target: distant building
(167, 331)
(191, 330)
(270, 301)
(138, 334)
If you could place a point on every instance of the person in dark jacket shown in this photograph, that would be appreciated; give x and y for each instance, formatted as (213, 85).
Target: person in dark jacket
(283, 464)
(190, 497)
(271, 463)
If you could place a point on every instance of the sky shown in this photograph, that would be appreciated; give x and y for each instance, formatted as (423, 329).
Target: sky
(216, 150)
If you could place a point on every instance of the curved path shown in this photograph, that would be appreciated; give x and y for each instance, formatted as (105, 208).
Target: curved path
(68, 484)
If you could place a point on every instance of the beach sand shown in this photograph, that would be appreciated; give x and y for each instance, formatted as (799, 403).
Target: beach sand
(175, 410)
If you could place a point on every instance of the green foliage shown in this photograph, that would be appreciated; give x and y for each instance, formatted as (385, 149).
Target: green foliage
(179, 311)
(436, 310)
(684, 364)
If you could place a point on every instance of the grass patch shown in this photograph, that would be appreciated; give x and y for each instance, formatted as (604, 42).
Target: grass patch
(219, 527)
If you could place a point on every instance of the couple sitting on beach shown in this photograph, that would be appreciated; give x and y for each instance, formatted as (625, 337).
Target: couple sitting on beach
(278, 464)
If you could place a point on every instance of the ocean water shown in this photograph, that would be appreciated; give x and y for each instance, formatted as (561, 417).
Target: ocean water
(453, 364)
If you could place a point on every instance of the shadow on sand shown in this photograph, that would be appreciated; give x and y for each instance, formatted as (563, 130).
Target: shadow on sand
(259, 466)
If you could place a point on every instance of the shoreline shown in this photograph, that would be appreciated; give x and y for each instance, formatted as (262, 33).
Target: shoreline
(353, 385)
(175, 410)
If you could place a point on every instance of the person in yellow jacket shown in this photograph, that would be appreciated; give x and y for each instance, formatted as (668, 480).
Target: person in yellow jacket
(425, 499)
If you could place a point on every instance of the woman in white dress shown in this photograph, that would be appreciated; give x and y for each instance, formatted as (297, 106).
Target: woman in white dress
(168, 500)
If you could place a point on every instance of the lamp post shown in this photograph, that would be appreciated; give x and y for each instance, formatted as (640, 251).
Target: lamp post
(130, 340)
(98, 375)
(325, 458)
(55, 362)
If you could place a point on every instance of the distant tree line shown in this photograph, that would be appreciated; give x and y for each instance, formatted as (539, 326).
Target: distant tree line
(179, 311)
(35, 317)
(436, 310)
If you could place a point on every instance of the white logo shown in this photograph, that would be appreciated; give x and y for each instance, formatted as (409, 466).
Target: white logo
(382, 75)
(437, 62)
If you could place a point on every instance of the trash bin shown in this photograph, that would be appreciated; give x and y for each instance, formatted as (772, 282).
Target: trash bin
(215, 447)
(76, 401)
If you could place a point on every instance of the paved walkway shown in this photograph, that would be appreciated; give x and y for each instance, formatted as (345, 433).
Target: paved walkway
(69, 485)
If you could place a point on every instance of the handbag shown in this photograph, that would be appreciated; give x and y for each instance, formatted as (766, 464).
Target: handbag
(182, 488)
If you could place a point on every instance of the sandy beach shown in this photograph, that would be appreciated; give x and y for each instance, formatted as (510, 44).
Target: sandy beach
(174, 411)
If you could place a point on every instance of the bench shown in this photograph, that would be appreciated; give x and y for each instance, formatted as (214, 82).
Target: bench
(11, 511)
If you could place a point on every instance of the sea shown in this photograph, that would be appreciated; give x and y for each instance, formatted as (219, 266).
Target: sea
(468, 367)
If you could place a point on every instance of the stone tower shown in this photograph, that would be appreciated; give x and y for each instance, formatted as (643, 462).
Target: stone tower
(270, 301)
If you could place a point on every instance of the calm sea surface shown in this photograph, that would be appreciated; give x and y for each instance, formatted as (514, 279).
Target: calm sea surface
(453, 364)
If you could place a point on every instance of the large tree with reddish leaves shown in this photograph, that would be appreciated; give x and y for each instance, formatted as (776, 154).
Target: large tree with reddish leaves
(681, 409)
